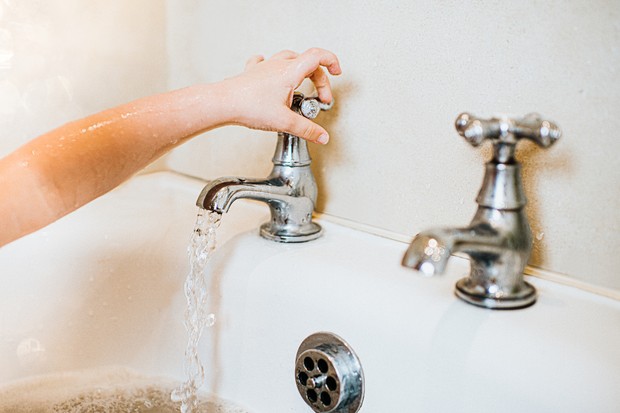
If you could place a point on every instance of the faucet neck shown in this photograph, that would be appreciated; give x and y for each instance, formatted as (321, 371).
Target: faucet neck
(291, 151)
(504, 152)
(502, 188)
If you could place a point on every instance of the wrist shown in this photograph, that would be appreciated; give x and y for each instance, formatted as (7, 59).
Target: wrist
(206, 106)
(223, 104)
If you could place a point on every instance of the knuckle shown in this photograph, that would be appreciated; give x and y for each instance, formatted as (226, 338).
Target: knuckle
(308, 130)
(314, 51)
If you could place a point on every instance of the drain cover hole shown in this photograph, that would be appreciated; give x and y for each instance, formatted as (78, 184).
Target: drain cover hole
(331, 383)
(326, 399)
(303, 378)
(312, 396)
(309, 364)
(322, 365)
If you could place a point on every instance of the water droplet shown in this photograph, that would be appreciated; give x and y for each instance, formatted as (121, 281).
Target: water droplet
(540, 236)
(210, 320)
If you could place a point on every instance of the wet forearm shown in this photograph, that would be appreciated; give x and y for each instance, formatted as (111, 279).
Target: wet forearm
(82, 160)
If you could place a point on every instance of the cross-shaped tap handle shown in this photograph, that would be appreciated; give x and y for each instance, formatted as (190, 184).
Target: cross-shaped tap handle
(504, 132)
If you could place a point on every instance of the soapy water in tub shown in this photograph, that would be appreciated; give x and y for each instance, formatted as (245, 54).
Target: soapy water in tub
(105, 390)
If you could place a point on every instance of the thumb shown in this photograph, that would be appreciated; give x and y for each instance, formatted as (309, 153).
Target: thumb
(306, 129)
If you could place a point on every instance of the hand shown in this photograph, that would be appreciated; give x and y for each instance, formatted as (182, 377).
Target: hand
(261, 97)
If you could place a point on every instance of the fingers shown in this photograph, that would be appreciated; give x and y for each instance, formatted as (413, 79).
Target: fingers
(321, 83)
(287, 70)
(313, 58)
(304, 128)
(310, 65)
(254, 60)
(284, 54)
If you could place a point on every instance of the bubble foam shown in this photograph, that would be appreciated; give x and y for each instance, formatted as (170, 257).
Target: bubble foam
(107, 390)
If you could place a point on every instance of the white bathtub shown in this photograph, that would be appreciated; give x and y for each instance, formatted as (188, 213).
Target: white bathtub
(104, 286)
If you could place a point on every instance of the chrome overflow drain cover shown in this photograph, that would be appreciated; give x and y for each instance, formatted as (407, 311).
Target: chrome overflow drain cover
(329, 375)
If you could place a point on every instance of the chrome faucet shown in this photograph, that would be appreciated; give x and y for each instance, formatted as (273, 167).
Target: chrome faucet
(498, 241)
(290, 190)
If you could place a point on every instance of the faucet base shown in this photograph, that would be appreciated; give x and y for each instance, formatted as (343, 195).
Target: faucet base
(523, 297)
(307, 232)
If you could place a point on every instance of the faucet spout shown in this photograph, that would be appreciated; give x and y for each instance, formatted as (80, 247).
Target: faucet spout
(290, 201)
(430, 250)
(498, 243)
(219, 194)
(290, 191)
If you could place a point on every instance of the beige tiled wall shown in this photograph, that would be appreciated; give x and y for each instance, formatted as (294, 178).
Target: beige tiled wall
(395, 161)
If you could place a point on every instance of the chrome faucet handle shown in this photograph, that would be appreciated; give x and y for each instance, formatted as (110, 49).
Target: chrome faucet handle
(290, 149)
(309, 107)
(326, 106)
(504, 132)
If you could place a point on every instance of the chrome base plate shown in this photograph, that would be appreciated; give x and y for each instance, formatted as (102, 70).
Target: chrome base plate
(309, 232)
(525, 297)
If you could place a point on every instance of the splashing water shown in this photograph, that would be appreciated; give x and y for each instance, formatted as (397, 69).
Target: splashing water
(201, 247)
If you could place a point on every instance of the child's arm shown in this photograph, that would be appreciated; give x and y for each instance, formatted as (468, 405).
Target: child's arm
(64, 169)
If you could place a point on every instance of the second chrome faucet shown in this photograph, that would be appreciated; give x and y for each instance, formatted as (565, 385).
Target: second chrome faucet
(498, 241)
(290, 189)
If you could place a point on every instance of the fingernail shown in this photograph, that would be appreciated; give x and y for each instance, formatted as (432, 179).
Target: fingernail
(323, 139)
